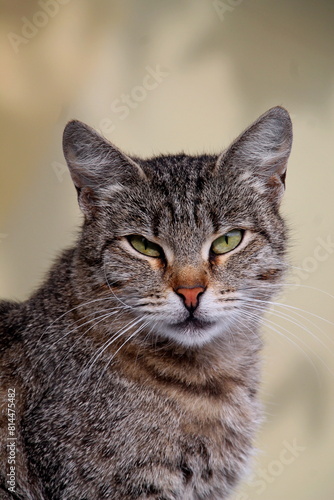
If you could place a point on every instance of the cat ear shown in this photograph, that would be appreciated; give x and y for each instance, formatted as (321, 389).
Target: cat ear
(261, 152)
(95, 164)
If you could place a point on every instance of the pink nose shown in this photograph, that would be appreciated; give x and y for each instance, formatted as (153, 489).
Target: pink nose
(190, 296)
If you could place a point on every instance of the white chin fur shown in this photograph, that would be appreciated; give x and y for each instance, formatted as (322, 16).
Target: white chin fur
(193, 336)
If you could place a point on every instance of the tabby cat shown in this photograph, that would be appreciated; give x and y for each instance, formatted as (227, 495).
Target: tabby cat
(133, 371)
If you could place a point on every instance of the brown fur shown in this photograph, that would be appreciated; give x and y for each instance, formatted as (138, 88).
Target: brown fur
(124, 389)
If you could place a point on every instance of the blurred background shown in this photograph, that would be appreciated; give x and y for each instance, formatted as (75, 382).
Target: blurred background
(158, 76)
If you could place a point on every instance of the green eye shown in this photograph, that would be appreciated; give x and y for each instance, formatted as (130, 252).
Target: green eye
(144, 246)
(227, 242)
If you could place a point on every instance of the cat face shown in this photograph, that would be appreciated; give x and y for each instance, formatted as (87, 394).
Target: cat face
(193, 245)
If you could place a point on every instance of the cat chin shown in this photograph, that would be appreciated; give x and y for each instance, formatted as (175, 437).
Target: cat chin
(193, 334)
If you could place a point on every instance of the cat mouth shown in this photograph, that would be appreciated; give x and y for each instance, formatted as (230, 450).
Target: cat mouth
(192, 331)
(192, 322)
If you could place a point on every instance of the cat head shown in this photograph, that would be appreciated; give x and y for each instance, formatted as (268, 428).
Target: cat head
(192, 245)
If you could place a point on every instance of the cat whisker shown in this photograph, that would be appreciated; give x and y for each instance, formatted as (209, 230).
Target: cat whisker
(286, 284)
(153, 326)
(112, 291)
(289, 307)
(138, 330)
(96, 317)
(285, 315)
(115, 336)
(228, 300)
(269, 322)
(288, 317)
(94, 313)
(275, 327)
(84, 333)
(74, 344)
(83, 304)
(256, 319)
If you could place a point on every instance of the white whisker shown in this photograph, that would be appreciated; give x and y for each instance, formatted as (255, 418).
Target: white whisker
(115, 336)
(138, 330)
(274, 326)
(69, 311)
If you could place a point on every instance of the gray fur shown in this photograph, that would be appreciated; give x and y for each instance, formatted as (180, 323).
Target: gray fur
(119, 394)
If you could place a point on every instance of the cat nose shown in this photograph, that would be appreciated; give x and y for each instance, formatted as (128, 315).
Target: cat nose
(190, 296)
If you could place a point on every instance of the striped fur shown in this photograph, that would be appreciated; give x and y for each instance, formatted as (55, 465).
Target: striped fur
(122, 393)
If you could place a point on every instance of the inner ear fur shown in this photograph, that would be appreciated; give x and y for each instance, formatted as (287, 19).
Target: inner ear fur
(95, 163)
(262, 151)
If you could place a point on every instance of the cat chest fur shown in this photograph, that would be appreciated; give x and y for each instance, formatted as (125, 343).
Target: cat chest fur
(178, 429)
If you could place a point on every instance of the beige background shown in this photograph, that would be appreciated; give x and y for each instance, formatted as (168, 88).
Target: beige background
(224, 63)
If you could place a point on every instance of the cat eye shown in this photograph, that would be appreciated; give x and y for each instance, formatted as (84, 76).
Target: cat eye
(229, 241)
(144, 246)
